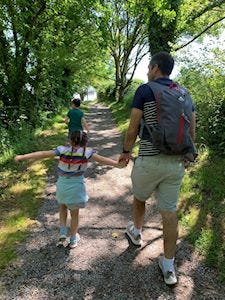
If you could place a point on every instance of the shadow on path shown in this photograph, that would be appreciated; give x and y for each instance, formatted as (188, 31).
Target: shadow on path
(103, 267)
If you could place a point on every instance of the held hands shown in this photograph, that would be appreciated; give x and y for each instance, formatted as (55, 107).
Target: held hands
(123, 160)
(124, 157)
(121, 164)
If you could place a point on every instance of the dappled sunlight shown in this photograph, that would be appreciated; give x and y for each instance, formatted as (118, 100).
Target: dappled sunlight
(201, 209)
(108, 133)
(110, 144)
(19, 188)
(38, 168)
(191, 217)
(105, 263)
(20, 223)
(55, 130)
(6, 174)
(46, 133)
(60, 128)
(22, 187)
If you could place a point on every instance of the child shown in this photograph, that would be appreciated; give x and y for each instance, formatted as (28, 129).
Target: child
(75, 117)
(70, 186)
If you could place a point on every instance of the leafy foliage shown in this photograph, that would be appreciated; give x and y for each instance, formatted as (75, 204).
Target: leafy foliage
(124, 31)
(206, 83)
(48, 50)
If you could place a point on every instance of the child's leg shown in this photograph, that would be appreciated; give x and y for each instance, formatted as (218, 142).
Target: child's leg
(62, 219)
(74, 221)
(74, 236)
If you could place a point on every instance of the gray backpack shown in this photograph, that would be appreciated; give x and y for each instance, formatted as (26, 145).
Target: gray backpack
(174, 111)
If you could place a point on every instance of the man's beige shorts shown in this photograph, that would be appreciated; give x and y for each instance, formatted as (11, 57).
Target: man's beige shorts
(161, 174)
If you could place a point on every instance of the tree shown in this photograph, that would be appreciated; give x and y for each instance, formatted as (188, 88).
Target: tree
(124, 31)
(170, 20)
(205, 80)
(130, 27)
(45, 46)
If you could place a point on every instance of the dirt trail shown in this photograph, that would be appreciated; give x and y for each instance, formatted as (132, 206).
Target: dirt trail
(102, 267)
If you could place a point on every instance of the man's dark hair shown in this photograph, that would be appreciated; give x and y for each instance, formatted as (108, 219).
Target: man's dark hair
(76, 102)
(164, 61)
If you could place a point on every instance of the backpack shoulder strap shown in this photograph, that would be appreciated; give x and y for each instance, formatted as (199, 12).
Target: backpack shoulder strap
(82, 157)
(156, 87)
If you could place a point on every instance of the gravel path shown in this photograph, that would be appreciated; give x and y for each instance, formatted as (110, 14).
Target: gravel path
(103, 267)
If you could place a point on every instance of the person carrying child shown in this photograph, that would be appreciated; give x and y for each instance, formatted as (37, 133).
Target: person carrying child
(70, 187)
(75, 117)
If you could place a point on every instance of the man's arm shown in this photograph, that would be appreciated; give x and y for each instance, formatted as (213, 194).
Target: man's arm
(133, 128)
(132, 132)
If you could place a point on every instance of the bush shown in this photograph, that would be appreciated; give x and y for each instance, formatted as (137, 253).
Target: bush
(106, 92)
(208, 93)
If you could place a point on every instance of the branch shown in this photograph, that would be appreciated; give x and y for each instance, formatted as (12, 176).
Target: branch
(5, 54)
(105, 77)
(198, 35)
(29, 34)
(205, 9)
(134, 68)
(138, 56)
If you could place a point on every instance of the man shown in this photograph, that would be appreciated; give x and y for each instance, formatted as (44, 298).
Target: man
(154, 171)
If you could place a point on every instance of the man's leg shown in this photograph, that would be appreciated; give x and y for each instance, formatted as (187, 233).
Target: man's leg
(138, 213)
(134, 228)
(170, 233)
(167, 194)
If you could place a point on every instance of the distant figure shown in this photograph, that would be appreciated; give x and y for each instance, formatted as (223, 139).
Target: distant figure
(75, 117)
(70, 187)
(153, 170)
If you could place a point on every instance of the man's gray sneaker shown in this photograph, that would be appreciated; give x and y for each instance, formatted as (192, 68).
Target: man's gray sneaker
(135, 239)
(169, 276)
(74, 241)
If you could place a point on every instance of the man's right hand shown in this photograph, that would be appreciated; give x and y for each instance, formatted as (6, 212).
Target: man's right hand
(125, 157)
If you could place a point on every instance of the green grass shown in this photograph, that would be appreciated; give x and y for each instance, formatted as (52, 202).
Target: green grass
(22, 185)
(202, 209)
(202, 199)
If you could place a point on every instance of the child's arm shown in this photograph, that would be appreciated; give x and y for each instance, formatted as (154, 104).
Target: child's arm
(85, 124)
(35, 155)
(108, 161)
